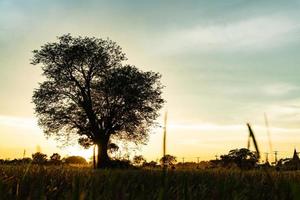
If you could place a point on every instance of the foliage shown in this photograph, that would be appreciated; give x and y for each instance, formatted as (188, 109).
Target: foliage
(112, 148)
(55, 159)
(83, 183)
(75, 160)
(168, 160)
(139, 160)
(16, 161)
(288, 164)
(26, 160)
(193, 165)
(39, 158)
(151, 164)
(243, 158)
(88, 92)
(121, 164)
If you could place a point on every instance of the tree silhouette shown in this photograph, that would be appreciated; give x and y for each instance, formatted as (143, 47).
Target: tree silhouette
(74, 160)
(89, 93)
(39, 158)
(151, 164)
(243, 158)
(55, 159)
(139, 160)
(168, 160)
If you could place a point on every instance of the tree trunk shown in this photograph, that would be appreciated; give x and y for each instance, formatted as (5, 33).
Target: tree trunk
(94, 156)
(103, 159)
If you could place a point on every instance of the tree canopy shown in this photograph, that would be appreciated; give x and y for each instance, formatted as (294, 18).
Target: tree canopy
(243, 158)
(39, 158)
(168, 160)
(90, 93)
(139, 160)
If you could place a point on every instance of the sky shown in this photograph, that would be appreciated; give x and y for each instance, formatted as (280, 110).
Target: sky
(223, 63)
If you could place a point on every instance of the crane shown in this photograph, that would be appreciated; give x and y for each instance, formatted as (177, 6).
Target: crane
(251, 136)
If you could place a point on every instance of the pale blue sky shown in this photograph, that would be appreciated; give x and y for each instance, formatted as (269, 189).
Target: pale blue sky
(223, 63)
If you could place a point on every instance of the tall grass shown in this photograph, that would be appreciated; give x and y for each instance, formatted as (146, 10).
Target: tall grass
(163, 194)
(77, 183)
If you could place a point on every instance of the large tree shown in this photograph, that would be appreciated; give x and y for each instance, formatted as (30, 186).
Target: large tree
(89, 92)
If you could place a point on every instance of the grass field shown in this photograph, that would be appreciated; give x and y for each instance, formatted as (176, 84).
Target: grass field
(35, 182)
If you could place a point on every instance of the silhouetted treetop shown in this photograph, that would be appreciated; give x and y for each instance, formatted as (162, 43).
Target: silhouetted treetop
(243, 158)
(39, 158)
(90, 93)
(168, 160)
(139, 160)
(89, 56)
(75, 160)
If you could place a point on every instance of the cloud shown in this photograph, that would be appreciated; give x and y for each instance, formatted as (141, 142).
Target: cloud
(18, 122)
(284, 112)
(205, 127)
(279, 89)
(260, 88)
(226, 128)
(250, 34)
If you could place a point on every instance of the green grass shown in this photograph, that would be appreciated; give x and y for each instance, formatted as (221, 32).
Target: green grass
(18, 182)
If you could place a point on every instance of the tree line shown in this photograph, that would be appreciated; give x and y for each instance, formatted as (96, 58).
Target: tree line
(243, 159)
(41, 159)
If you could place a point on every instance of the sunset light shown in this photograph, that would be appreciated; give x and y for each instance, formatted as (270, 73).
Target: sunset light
(152, 86)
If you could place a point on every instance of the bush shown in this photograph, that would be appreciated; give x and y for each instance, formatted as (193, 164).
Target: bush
(39, 158)
(120, 164)
(75, 160)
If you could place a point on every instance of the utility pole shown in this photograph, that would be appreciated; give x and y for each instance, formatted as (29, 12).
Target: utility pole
(183, 160)
(198, 159)
(275, 153)
(24, 153)
(267, 159)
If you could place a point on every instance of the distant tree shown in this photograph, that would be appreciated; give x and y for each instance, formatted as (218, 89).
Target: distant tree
(39, 158)
(75, 160)
(243, 158)
(151, 164)
(168, 160)
(26, 160)
(290, 163)
(204, 165)
(187, 165)
(55, 159)
(121, 164)
(89, 92)
(139, 160)
(14, 161)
